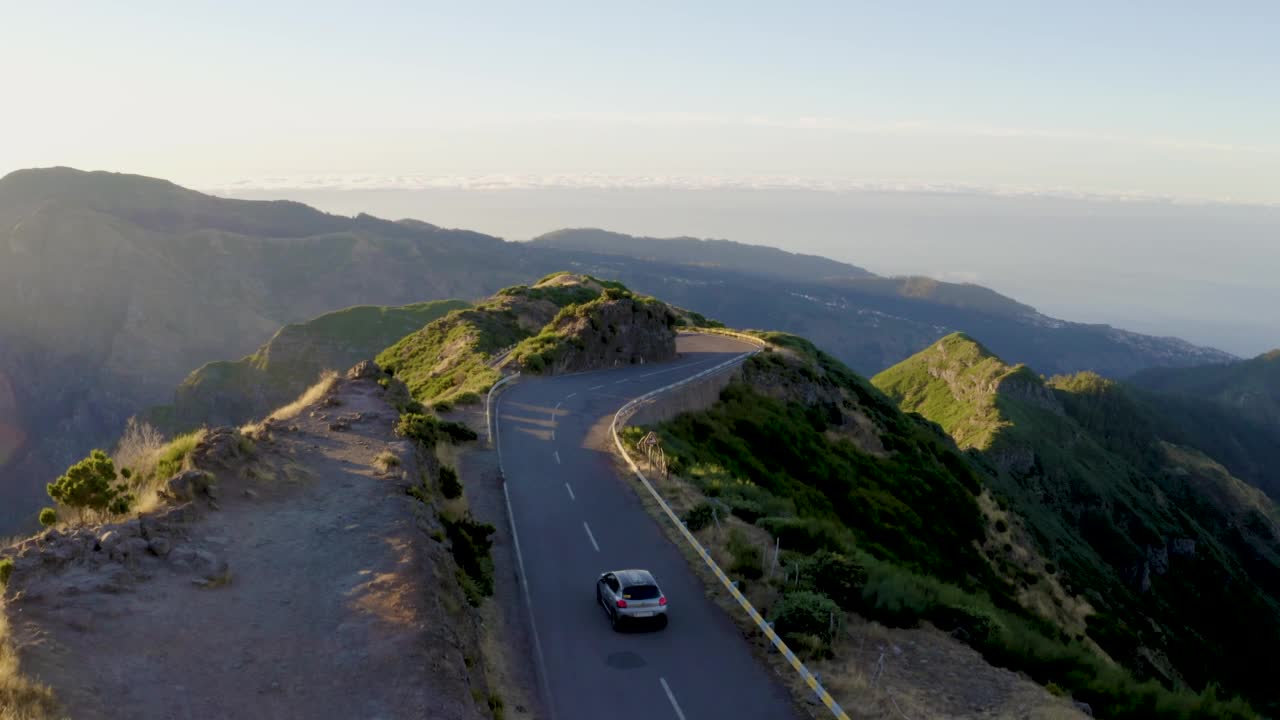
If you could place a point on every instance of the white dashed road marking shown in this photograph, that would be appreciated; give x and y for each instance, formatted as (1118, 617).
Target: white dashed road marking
(557, 454)
(674, 705)
(571, 495)
(590, 537)
(596, 387)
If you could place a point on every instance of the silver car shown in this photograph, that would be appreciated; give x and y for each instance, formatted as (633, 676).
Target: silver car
(631, 595)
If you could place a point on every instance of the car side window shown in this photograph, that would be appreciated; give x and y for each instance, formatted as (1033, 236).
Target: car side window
(612, 582)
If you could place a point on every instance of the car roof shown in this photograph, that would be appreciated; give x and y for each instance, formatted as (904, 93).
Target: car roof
(635, 577)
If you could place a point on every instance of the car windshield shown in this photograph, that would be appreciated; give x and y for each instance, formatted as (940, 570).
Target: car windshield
(641, 592)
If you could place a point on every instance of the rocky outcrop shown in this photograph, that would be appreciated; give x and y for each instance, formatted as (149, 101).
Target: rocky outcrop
(219, 447)
(621, 331)
(364, 370)
(1023, 385)
(108, 558)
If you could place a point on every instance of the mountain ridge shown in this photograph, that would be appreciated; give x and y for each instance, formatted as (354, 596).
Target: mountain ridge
(1114, 506)
(114, 287)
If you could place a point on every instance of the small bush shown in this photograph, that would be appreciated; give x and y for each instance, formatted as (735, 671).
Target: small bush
(470, 543)
(417, 426)
(1002, 526)
(835, 576)
(699, 516)
(387, 460)
(6, 571)
(806, 613)
(48, 516)
(458, 432)
(748, 559)
(450, 487)
(496, 706)
(429, 430)
(806, 535)
(90, 485)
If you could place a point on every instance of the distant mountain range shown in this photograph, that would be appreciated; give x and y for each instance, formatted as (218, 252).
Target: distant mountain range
(114, 287)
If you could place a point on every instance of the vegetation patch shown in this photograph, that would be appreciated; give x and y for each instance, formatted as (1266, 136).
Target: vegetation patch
(892, 536)
(470, 541)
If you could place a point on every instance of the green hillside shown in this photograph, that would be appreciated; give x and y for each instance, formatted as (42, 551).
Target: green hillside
(1157, 537)
(1229, 412)
(1250, 387)
(236, 391)
(537, 328)
(803, 448)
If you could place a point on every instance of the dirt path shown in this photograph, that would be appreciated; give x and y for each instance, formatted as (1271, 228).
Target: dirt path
(339, 605)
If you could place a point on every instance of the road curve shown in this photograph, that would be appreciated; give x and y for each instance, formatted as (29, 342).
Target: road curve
(575, 518)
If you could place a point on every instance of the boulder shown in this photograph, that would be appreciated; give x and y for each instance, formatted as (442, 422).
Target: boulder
(187, 485)
(1083, 707)
(364, 370)
(159, 546)
(219, 446)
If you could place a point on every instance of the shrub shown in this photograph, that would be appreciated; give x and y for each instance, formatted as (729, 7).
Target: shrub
(806, 535)
(6, 571)
(48, 516)
(748, 559)
(470, 542)
(1001, 526)
(836, 576)
(806, 613)
(416, 426)
(387, 460)
(752, 502)
(458, 432)
(699, 516)
(450, 487)
(90, 484)
(430, 430)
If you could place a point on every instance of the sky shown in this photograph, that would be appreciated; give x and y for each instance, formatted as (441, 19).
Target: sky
(1135, 102)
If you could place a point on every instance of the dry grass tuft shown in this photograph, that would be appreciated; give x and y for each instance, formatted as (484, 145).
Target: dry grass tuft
(20, 698)
(386, 460)
(310, 397)
(159, 463)
(139, 446)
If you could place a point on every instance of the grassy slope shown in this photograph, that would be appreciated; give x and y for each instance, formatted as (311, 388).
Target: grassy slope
(911, 514)
(1252, 387)
(1231, 413)
(231, 392)
(1100, 491)
(449, 359)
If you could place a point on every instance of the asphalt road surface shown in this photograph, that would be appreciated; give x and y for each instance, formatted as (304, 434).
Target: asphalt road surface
(576, 518)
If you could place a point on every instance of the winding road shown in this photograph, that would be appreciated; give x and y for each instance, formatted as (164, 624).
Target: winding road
(575, 518)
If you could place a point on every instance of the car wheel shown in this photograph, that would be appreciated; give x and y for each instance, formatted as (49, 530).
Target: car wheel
(662, 622)
(615, 622)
